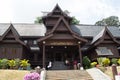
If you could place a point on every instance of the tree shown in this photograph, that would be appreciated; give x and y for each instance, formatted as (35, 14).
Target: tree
(109, 21)
(74, 21)
(38, 20)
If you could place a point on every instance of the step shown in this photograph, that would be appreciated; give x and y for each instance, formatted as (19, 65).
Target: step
(59, 66)
(68, 75)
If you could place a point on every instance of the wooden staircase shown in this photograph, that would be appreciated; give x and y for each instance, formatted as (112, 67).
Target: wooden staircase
(58, 65)
(68, 75)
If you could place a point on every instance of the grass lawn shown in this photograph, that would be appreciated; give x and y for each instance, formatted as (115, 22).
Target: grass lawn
(108, 71)
(12, 74)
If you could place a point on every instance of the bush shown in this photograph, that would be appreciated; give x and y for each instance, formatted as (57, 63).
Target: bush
(93, 64)
(0, 63)
(4, 63)
(106, 61)
(14, 64)
(99, 60)
(114, 61)
(103, 61)
(24, 63)
(17, 62)
(118, 61)
(11, 63)
(86, 62)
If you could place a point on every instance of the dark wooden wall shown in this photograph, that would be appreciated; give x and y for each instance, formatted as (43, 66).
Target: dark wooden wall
(11, 51)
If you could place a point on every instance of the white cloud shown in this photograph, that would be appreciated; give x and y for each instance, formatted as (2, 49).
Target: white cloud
(5, 11)
(87, 11)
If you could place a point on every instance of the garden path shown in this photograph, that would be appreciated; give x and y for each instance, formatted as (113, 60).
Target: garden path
(96, 74)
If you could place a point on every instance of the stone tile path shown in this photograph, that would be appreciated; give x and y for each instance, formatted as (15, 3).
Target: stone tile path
(97, 74)
(68, 75)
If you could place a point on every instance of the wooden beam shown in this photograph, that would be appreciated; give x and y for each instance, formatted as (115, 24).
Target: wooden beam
(80, 54)
(108, 42)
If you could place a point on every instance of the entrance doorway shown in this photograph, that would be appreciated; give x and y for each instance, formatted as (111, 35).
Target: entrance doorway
(58, 55)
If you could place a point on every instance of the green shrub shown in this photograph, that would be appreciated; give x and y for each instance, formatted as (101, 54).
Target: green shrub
(106, 61)
(24, 63)
(114, 61)
(4, 63)
(17, 62)
(86, 62)
(11, 63)
(103, 61)
(93, 64)
(99, 60)
(0, 63)
(14, 64)
(118, 61)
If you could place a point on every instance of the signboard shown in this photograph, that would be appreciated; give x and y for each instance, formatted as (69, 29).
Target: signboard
(61, 43)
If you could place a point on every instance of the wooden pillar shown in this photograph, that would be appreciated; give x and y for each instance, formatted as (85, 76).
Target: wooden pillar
(80, 54)
(44, 54)
(114, 71)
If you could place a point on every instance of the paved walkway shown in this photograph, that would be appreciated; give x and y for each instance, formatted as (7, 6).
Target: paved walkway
(96, 74)
(68, 75)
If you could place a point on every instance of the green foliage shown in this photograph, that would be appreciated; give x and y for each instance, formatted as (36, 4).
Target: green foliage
(0, 63)
(11, 63)
(17, 62)
(4, 63)
(93, 64)
(14, 64)
(99, 60)
(118, 61)
(114, 61)
(106, 61)
(24, 63)
(86, 62)
(102, 61)
(109, 21)
(74, 21)
(38, 20)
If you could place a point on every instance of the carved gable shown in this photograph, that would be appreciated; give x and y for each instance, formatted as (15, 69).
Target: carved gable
(51, 18)
(105, 36)
(61, 26)
(10, 34)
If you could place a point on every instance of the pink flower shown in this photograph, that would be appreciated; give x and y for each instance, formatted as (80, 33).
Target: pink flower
(32, 76)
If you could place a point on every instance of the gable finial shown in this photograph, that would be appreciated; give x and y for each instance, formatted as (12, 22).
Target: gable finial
(57, 7)
(11, 25)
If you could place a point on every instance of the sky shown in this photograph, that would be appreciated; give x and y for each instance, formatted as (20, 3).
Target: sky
(87, 11)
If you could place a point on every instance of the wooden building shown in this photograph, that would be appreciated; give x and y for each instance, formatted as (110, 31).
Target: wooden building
(57, 40)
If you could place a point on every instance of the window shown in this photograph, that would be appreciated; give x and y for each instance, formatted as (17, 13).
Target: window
(103, 51)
